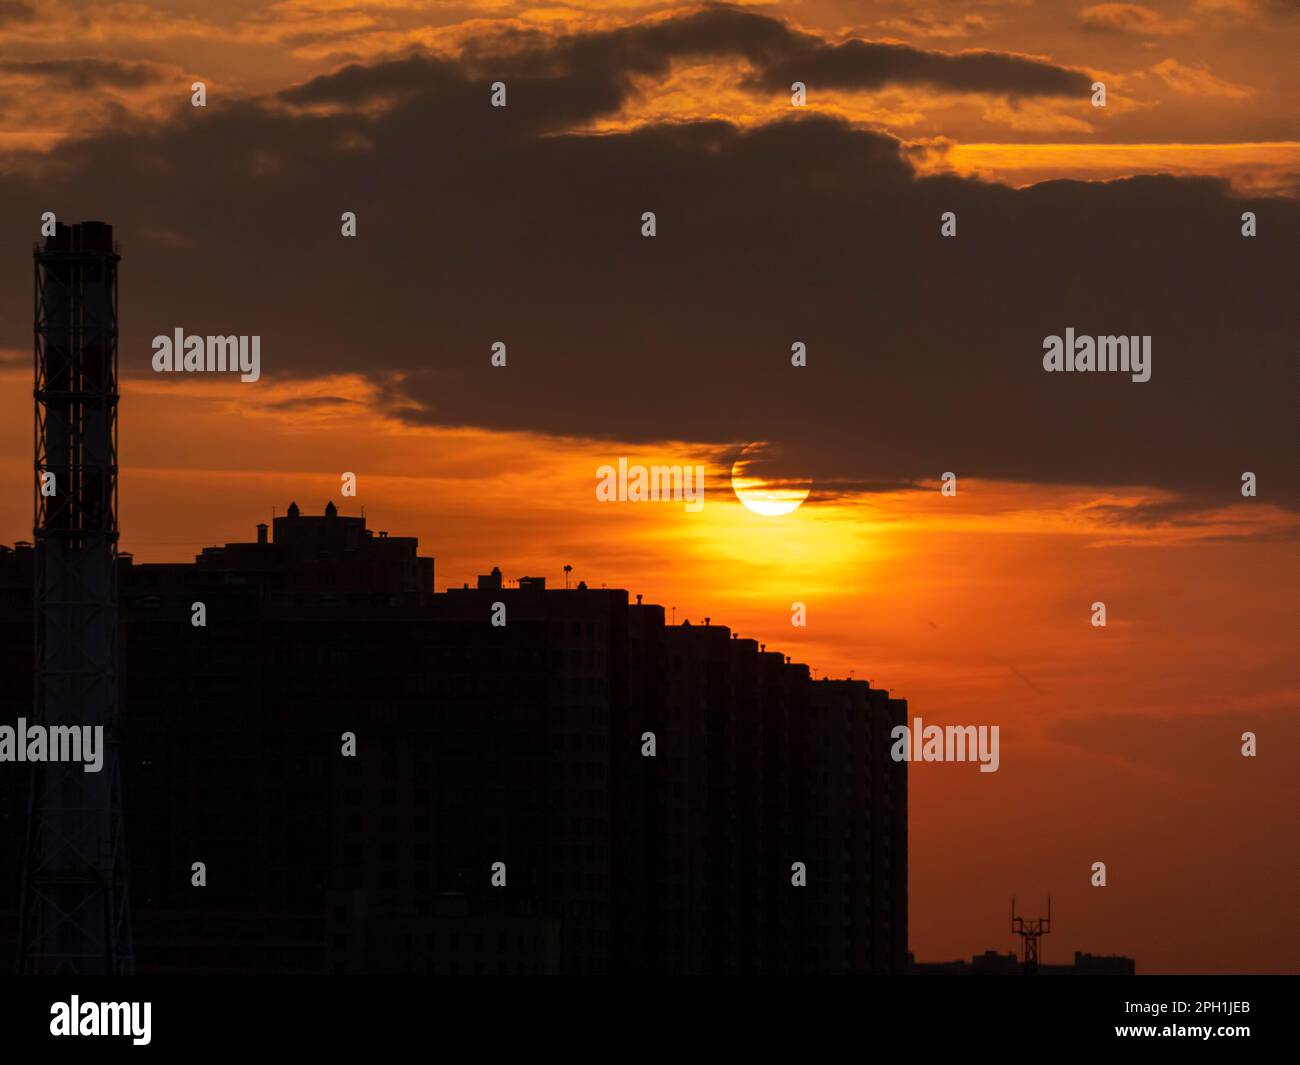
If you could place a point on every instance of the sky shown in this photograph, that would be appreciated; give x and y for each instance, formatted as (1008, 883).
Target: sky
(775, 225)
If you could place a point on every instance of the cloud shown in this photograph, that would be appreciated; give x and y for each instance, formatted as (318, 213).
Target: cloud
(1249, 8)
(85, 74)
(313, 403)
(15, 11)
(869, 65)
(1130, 18)
(1189, 519)
(927, 24)
(1257, 168)
(46, 100)
(778, 54)
(1197, 81)
(478, 224)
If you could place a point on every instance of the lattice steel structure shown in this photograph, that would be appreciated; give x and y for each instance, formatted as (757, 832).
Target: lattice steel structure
(75, 913)
(1030, 932)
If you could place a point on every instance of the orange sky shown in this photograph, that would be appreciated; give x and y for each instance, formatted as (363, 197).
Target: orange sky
(1179, 73)
(1119, 744)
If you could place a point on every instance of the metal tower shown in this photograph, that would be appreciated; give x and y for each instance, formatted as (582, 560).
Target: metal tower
(1029, 933)
(75, 916)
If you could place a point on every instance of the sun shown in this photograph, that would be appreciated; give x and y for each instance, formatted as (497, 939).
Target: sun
(763, 485)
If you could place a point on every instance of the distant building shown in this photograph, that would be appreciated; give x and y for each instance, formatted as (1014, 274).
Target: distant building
(475, 744)
(1095, 965)
(991, 963)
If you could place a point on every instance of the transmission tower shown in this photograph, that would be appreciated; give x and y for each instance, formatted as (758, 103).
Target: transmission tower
(1029, 933)
(75, 916)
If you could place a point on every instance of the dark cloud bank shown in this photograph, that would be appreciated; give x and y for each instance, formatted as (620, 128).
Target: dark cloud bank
(479, 224)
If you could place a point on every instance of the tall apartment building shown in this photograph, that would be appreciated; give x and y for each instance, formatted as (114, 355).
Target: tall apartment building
(580, 789)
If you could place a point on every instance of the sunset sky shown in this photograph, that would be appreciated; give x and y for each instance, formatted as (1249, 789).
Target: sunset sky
(775, 225)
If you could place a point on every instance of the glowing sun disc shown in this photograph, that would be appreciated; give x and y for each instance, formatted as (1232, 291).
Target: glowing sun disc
(769, 496)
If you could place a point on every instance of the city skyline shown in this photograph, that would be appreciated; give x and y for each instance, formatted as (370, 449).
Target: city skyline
(819, 225)
(603, 791)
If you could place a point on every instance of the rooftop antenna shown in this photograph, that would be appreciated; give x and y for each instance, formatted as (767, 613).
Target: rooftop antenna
(1029, 933)
(674, 615)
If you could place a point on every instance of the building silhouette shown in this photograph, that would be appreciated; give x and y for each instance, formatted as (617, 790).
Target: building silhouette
(526, 743)
(991, 963)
